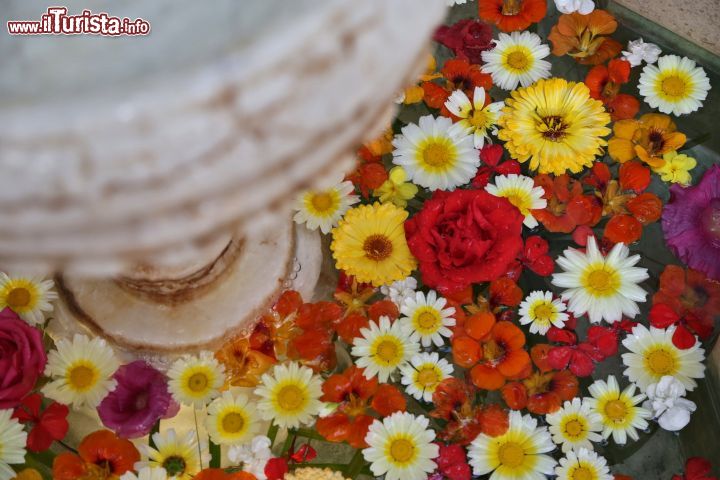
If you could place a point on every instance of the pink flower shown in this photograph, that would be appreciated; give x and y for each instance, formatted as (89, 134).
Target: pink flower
(22, 358)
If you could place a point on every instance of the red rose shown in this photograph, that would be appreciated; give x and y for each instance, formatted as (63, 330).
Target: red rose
(22, 358)
(466, 38)
(464, 237)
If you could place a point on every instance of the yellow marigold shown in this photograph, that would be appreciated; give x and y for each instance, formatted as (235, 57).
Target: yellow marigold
(309, 473)
(369, 243)
(555, 125)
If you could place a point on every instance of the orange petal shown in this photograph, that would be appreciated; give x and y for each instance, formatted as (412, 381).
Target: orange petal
(514, 362)
(509, 335)
(623, 229)
(479, 324)
(486, 377)
(515, 395)
(388, 399)
(466, 351)
(621, 150)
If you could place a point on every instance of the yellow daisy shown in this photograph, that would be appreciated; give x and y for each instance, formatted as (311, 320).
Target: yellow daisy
(541, 311)
(179, 455)
(583, 465)
(195, 380)
(555, 125)
(29, 297)
(383, 348)
(676, 85)
(370, 244)
(475, 116)
(676, 168)
(517, 453)
(574, 426)
(290, 396)
(81, 371)
(401, 448)
(231, 419)
(424, 373)
(427, 318)
(653, 355)
(396, 189)
(325, 208)
(521, 192)
(517, 58)
(619, 413)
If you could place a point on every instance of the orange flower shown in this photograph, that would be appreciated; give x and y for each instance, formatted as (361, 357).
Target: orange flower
(567, 206)
(459, 74)
(512, 15)
(220, 474)
(503, 357)
(354, 299)
(102, 455)
(369, 171)
(604, 84)
(689, 293)
(243, 366)
(648, 138)
(541, 393)
(356, 395)
(582, 37)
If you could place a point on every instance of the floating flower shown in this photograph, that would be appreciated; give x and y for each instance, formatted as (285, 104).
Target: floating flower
(45, 427)
(452, 463)
(383, 348)
(583, 464)
(584, 37)
(653, 355)
(311, 473)
(436, 154)
(396, 189)
(324, 208)
(12, 444)
(290, 396)
(81, 371)
(555, 125)
(101, 454)
(179, 455)
(541, 311)
(604, 84)
(459, 74)
(29, 297)
(399, 290)
(401, 447)
(575, 426)
(424, 373)
(676, 168)
(146, 473)
(604, 287)
(522, 193)
(648, 138)
(620, 415)
(696, 468)
(502, 356)
(512, 15)
(467, 38)
(580, 358)
(140, 399)
(583, 7)
(518, 453)
(426, 317)
(356, 397)
(22, 358)
(253, 457)
(231, 419)
(691, 223)
(195, 380)
(665, 401)
(243, 365)
(639, 51)
(676, 85)
(568, 207)
(517, 59)
(477, 117)
(491, 164)
(369, 243)
(541, 392)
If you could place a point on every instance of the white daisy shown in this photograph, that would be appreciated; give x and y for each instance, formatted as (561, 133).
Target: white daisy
(517, 453)
(231, 419)
(179, 455)
(401, 447)
(383, 348)
(476, 117)
(427, 318)
(81, 371)
(676, 85)
(521, 192)
(195, 380)
(653, 355)
(604, 287)
(619, 411)
(324, 208)
(146, 473)
(574, 426)
(541, 311)
(583, 465)
(12, 444)
(517, 59)
(639, 51)
(424, 373)
(436, 154)
(29, 297)
(398, 291)
(583, 7)
(290, 396)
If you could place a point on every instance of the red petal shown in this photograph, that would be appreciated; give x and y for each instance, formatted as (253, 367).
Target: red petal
(683, 338)
(696, 468)
(491, 154)
(604, 339)
(581, 365)
(276, 468)
(305, 453)
(536, 247)
(559, 357)
(662, 316)
(561, 335)
(388, 399)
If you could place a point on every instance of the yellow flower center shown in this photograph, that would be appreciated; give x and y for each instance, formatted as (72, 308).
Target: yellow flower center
(553, 128)
(518, 60)
(544, 312)
(574, 428)
(511, 455)
(601, 281)
(377, 247)
(674, 86)
(428, 377)
(582, 473)
(233, 422)
(198, 382)
(387, 351)
(81, 377)
(479, 119)
(661, 362)
(616, 410)
(519, 198)
(427, 321)
(437, 155)
(402, 450)
(18, 298)
(290, 398)
(322, 201)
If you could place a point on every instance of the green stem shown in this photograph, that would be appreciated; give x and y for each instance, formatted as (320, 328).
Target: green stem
(289, 442)
(197, 434)
(272, 433)
(215, 455)
(356, 464)
(307, 433)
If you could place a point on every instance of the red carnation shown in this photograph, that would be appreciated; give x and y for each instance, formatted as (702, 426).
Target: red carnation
(464, 237)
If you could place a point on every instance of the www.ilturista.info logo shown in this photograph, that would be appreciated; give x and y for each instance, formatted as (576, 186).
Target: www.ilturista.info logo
(57, 22)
